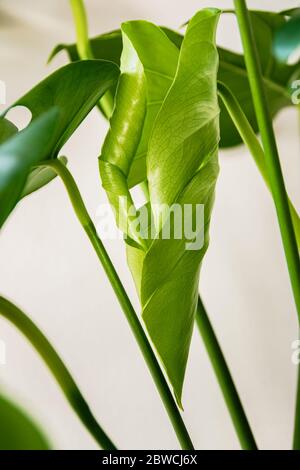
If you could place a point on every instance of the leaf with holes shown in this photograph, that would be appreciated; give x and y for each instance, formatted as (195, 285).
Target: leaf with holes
(73, 91)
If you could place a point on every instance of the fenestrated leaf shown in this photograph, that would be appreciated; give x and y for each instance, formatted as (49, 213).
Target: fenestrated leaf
(7, 129)
(18, 154)
(17, 430)
(287, 38)
(182, 168)
(74, 90)
(232, 70)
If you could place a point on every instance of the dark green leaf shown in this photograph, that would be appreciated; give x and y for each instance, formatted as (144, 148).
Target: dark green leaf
(17, 430)
(19, 154)
(73, 90)
(7, 130)
(287, 39)
(40, 177)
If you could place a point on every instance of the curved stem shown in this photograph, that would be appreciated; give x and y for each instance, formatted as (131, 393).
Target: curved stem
(250, 140)
(58, 369)
(225, 380)
(270, 148)
(131, 316)
(84, 48)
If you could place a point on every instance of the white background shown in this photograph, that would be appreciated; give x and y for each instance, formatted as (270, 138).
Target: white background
(49, 269)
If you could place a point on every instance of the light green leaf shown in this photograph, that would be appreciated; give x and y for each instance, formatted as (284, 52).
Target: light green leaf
(148, 66)
(232, 70)
(182, 168)
(17, 430)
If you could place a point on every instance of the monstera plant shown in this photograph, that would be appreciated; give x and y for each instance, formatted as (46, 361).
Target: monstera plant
(172, 100)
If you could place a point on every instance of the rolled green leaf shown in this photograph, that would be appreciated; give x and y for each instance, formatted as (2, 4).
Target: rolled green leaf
(17, 430)
(167, 105)
(148, 66)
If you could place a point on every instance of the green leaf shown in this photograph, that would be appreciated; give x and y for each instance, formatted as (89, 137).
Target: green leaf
(18, 155)
(40, 177)
(233, 74)
(17, 430)
(148, 66)
(287, 39)
(73, 90)
(182, 168)
(7, 130)
(232, 70)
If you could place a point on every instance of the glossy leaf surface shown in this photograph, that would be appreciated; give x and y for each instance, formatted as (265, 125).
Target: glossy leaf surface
(232, 70)
(73, 91)
(166, 104)
(18, 154)
(287, 39)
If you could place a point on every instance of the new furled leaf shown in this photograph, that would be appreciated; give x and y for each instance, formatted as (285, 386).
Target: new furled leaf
(182, 168)
(148, 66)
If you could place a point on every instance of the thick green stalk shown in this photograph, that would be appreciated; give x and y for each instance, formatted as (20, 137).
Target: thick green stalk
(84, 48)
(272, 162)
(270, 148)
(250, 140)
(131, 316)
(58, 369)
(225, 380)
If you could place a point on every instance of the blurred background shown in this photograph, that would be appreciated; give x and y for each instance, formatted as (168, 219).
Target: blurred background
(49, 269)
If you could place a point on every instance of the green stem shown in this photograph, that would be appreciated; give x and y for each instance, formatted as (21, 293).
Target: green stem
(81, 25)
(84, 48)
(249, 138)
(270, 148)
(272, 162)
(58, 369)
(131, 316)
(224, 378)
